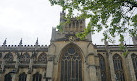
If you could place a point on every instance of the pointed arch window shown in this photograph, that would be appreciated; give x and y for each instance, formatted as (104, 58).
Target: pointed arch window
(25, 58)
(37, 77)
(102, 67)
(134, 60)
(8, 77)
(23, 77)
(71, 64)
(8, 57)
(118, 67)
(42, 58)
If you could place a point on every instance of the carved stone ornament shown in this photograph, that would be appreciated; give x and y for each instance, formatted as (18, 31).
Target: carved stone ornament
(72, 38)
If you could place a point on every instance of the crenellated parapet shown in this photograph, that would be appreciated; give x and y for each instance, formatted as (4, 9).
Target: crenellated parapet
(23, 56)
(16, 48)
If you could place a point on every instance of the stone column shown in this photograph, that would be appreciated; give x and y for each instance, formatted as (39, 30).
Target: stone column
(49, 69)
(75, 26)
(29, 77)
(98, 69)
(3, 63)
(111, 64)
(30, 70)
(79, 26)
(0, 77)
(92, 68)
(131, 68)
(92, 73)
(13, 77)
(71, 28)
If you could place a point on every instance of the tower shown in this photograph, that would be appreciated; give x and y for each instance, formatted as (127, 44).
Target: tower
(70, 29)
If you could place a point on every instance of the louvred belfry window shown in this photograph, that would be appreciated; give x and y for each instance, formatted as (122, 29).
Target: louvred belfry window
(71, 64)
(102, 67)
(118, 67)
(134, 60)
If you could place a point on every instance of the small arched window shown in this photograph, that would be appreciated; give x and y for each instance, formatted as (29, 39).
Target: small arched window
(37, 77)
(102, 67)
(118, 67)
(134, 60)
(42, 58)
(8, 77)
(23, 77)
(25, 58)
(8, 57)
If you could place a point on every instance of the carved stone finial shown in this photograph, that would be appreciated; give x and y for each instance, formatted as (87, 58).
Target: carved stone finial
(105, 42)
(36, 42)
(20, 42)
(4, 43)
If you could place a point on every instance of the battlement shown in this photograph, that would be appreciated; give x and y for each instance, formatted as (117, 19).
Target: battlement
(74, 25)
(20, 47)
(5, 48)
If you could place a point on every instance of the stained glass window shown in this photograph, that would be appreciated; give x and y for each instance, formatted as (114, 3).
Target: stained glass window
(42, 58)
(71, 65)
(8, 57)
(23, 77)
(102, 68)
(37, 77)
(134, 60)
(118, 67)
(8, 77)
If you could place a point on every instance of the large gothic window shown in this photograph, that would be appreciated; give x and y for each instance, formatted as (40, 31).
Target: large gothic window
(102, 67)
(25, 58)
(37, 77)
(134, 60)
(118, 67)
(42, 58)
(8, 77)
(71, 64)
(8, 57)
(23, 77)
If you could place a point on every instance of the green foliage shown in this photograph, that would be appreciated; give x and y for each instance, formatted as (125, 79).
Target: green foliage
(114, 17)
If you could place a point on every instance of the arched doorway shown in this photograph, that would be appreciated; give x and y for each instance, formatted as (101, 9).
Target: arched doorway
(70, 64)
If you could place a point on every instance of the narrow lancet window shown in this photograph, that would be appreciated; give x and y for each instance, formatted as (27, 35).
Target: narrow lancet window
(134, 60)
(8, 77)
(118, 67)
(102, 68)
(23, 77)
(37, 77)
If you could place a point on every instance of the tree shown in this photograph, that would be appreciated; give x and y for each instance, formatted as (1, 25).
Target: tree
(113, 17)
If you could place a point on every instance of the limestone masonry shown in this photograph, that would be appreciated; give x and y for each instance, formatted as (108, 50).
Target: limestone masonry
(68, 58)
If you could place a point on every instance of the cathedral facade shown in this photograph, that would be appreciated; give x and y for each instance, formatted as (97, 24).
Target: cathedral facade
(68, 58)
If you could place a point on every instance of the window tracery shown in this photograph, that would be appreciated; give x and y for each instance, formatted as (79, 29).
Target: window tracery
(8, 57)
(37, 77)
(8, 77)
(25, 58)
(118, 67)
(23, 77)
(71, 64)
(134, 60)
(102, 67)
(42, 58)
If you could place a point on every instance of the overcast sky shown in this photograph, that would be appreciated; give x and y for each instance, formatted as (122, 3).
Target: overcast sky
(29, 19)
